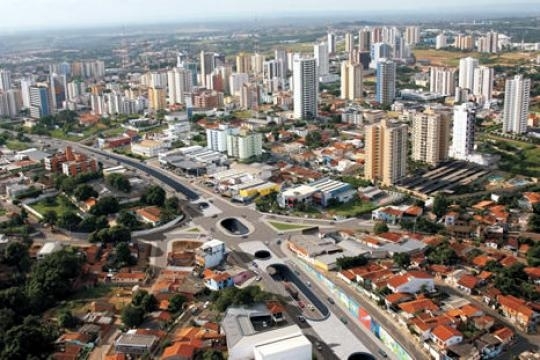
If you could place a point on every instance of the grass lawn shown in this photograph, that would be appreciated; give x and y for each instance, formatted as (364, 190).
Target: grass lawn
(243, 114)
(193, 230)
(286, 226)
(60, 134)
(17, 145)
(114, 131)
(525, 160)
(96, 292)
(352, 208)
(60, 205)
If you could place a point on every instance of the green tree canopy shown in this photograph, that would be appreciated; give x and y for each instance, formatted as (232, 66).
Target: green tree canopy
(347, 262)
(440, 205)
(105, 206)
(154, 195)
(402, 260)
(132, 316)
(119, 182)
(176, 302)
(380, 227)
(84, 192)
(127, 219)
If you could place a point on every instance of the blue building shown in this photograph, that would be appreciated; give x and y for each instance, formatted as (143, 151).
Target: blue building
(386, 82)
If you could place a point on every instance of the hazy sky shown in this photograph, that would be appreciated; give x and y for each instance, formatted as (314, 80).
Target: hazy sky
(20, 14)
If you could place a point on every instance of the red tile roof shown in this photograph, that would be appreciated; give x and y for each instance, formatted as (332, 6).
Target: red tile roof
(445, 333)
(415, 306)
(468, 281)
(515, 304)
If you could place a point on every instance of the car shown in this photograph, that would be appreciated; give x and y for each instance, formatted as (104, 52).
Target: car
(253, 263)
(343, 319)
(301, 318)
(308, 284)
(258, 278)
(301, 304)
(214, 216)
(318, 345)
(331, 301)
(382, 353)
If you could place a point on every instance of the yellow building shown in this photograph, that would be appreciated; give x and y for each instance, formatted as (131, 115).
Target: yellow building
(157, 98)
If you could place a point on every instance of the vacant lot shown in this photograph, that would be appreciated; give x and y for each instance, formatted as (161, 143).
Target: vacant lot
(59, 204)
(286, 226)
(451, 58)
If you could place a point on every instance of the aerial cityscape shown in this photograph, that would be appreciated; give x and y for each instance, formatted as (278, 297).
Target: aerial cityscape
(266, 181)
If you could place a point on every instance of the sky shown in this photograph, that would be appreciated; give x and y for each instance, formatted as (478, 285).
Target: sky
(25, 14)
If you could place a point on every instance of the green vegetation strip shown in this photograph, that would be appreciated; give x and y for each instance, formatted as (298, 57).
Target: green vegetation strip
(59, 205)
(286, 226)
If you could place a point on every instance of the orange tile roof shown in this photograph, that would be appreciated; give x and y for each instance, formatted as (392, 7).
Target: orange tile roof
(151, 213)
(418, 274)
(391, 236)
(414, 211)
(504, 333)
(515, 304)
(397, 281)
(508, 261)
(533, 272)
(444, 332)
(482, 260)
(468, 281)
(469, 310)
(119, 356)
(532, 197)
(483, 204)
(416, 306)
(484, 275)
(275, 307)
(397, 297)
(179, 349)
(443, 269)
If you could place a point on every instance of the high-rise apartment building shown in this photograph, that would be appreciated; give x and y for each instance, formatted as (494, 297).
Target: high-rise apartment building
(58, 88)
(236, 81)
(180, 84)
(157, 98)
(257, 63)
(386, 152)
(25, 91)
(463, 131)
(440, 41)
(5, 80)
(320, 52)
(216, 139)
(207, 66)
(489, 43)
(464, 42)
(331, 43)
(430, 138)
(351, 80)
(385, 82)
(244, 146)
(40, 104)
(466, 72)
(364, 40)
(349, 42)
(442, 81)
(412, 35)
(379, 51)
(243, 63)
(305, 88)
(483, 84)
(10, 103)
(250, 97)
(517, 94)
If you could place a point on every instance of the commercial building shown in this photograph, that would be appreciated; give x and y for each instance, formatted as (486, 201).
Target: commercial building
(252, 334)
(430, 138)
(305, 88)
(147, 148)
(351, 80)
(385, 82)
(386, 152)
(442, 81)
(207, 63)
(135, 344)
(321, 192)
(463, 131)
(516, 104)
(40, 104)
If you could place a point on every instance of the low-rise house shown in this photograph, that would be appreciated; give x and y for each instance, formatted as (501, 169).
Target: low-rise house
(445, 336)
(484, 322)
(216, 281)
(462, 351)
(467, 283)
(518, 311)
(411, 308)
(135, 344)
(489, 346)
(505, 335)
(412, 282)
(149, 214)
(529, 200)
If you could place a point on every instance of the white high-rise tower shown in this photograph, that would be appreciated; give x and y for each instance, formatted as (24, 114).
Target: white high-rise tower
(466, 72)
(483, 84)
(320, 51)
(516, 104)
(463, 131)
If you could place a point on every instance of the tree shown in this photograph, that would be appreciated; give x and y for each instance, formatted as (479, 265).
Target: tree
(534, 223)
(533, 255)
(50, 217)
(212, 355)
(127, 219)
(30, 340)
(440, 205)
(144, 300)
(119, 182)
(105, 206)
(171, 204)
(313, 139)
(154, 195)
(123, 255)
(442, 254)
(66, 319)
(402, 260)
(347, 262)
(16, 254)
(380, 227)
(69, 221)
(84, 192)
(176, 303)
(132, 316)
